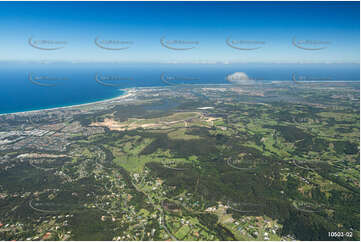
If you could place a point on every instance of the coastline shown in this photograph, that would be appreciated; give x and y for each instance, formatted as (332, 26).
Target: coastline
(126, 93)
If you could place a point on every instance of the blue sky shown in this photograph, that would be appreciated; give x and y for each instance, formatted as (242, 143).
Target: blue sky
(336, 25)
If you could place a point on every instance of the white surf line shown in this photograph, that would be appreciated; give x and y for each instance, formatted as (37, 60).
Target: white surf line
(126, 94)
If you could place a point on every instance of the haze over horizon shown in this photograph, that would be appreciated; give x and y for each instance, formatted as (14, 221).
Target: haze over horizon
(213, 32)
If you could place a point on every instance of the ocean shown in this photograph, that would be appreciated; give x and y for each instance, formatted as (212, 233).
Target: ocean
(34, 86)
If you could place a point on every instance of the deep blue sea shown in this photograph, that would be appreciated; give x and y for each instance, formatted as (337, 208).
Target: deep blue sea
(25, 87)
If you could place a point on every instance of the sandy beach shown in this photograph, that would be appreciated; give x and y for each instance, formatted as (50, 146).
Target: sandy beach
(127, 93)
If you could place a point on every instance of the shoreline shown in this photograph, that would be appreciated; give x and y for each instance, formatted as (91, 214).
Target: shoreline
(130, 91)
(123, 95)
